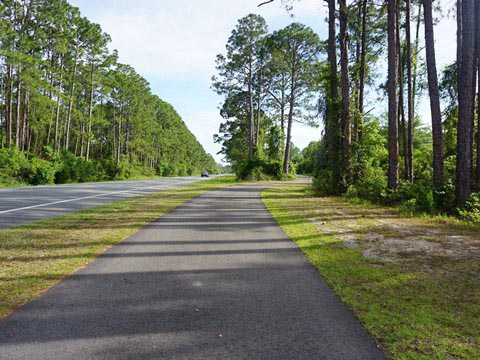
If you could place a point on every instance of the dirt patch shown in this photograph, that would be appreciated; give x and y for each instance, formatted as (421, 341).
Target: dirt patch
(383, 235)
(407, 241)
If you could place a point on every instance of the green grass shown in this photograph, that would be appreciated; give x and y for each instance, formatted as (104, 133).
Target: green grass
(36, 256)
(417, 306)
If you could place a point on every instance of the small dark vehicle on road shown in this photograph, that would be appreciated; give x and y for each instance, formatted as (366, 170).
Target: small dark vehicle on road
(205, 174)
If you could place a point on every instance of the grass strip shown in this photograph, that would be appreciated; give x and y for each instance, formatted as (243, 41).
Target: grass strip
(418, 306)
(36, 256)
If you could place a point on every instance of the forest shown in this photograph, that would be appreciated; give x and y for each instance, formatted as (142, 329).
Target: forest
(377, 55)
(71, 112)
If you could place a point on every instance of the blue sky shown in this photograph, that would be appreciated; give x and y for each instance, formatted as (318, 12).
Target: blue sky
(173, 45)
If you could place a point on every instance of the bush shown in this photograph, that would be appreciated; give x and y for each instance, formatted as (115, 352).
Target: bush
(471, 209)
(323, 183)
(40, 172)
(445, 197)
(68, 169)
(256, 169)
(164, 170)
(412, 196)
(146, 171)
(89, 171)
(372, 186)
(126, 170)
(12, 165)
(111, 170)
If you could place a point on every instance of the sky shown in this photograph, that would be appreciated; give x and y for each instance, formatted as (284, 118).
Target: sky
(173, 44)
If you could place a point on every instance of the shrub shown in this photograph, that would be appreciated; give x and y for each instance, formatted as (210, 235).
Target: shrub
(126, 170)
(40, 172)
(111, 169)
(372, 186)
(146, 171)
(255, 169)
(12, 165)
(68, 169)
(445, 197)
(471, 209)
(182, 170)
(89, 171)
(412, 196)
(164, 170)
(323, 183)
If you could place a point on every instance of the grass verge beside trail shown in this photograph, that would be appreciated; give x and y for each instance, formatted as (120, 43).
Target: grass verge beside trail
(36, 256)
(413, 282)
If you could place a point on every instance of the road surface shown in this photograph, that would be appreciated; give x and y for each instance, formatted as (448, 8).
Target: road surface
(22, 205)
(214, 279)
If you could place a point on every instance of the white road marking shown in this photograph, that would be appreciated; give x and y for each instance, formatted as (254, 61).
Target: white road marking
(158, 187)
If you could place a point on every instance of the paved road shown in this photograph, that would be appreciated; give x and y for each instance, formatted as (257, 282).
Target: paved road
(23, 205)
(214, 279)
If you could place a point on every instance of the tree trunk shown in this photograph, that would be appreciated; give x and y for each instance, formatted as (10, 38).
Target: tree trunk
(477, 52)
(286, 158)
(465, 98)
(401, 107)
(459, 35)
(24, 134)
(9, 108)
(363, 54)
(251, 120)
(90, 113)
(332, 123)
(345, 86)
(56, 140)
(19, 105)
(282, 113)
(119, 148)
(473, 104)
(410, 108)
(70, 103)
(416, 51)
(434, 97)
(259, 111)
(114, 144)
(358, 49)
(82, 137)
(392, 95)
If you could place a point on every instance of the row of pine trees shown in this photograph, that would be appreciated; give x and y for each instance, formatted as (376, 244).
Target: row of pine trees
(364, 26)
(61, 87)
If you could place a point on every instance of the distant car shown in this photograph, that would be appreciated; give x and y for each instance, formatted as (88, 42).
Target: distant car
(205, 174)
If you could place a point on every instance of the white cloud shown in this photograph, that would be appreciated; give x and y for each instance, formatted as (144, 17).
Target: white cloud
(177, 39)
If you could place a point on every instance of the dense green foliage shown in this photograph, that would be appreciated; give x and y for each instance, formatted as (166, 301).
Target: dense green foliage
(309, 158)
(70, 112)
